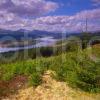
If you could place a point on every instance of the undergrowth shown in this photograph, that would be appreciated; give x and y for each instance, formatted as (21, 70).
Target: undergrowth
(77, 71)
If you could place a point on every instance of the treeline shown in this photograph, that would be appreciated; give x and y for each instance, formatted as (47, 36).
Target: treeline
(67, 45)
(34, 53)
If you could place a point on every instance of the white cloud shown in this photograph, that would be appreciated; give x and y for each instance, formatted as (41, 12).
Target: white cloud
(96, 2)
(9, 20)
(28, 7)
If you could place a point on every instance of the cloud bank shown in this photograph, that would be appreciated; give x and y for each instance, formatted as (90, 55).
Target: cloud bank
(28, 8)
(96, 2)
(75, 23)
(21, 14)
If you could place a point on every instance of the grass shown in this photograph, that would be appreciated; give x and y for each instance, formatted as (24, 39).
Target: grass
(78, 73)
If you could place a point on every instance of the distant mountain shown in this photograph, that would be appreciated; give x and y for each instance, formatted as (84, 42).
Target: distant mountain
(27, 34)
(18, 34)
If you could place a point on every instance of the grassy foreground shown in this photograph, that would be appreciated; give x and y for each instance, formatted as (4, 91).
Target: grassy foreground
(76, 69)
(51, 89)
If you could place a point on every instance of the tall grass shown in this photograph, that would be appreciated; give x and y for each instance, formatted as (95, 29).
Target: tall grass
(78, 73)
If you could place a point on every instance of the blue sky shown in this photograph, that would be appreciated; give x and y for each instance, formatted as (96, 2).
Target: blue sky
(71, 7)
(50, 15)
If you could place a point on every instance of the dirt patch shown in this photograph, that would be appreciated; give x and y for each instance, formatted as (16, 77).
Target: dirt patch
(7, 88)
(96, 46)
(51, 89)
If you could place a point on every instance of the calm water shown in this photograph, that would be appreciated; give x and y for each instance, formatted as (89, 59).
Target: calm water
(41, 42)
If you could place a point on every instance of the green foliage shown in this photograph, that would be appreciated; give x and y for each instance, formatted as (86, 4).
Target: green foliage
(85, 39)
(79, 73)
(35, 79)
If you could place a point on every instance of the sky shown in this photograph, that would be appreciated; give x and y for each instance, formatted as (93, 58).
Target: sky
(50, 15)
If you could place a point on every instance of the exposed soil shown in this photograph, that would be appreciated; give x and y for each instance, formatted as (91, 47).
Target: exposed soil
(12, 86)
(50, 89)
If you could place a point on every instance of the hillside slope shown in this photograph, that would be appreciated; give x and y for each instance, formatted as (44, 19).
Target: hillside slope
(75, 69)
(51, 89)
